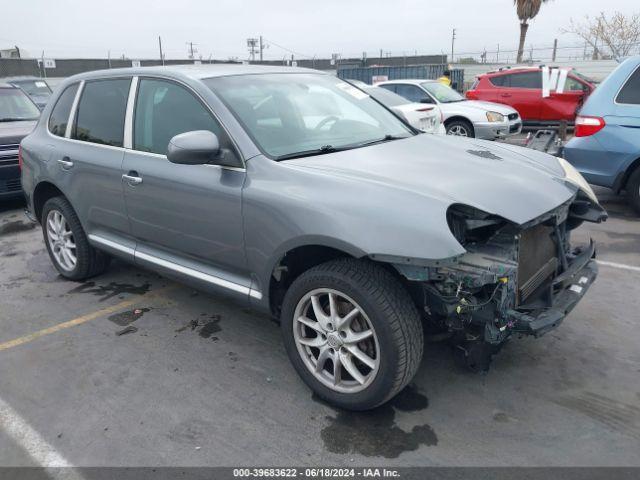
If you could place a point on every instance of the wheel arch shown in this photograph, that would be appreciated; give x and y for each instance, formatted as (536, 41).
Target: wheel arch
(459, 118)
(295, 257)
(43, 192)
(633, 166)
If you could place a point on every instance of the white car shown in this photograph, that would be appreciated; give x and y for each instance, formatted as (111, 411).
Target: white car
(462, 117)
(427, 118)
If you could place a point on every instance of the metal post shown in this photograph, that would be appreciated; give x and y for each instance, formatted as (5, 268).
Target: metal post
(555, 50)
(261, 48)
(453, 40)
(160, 45)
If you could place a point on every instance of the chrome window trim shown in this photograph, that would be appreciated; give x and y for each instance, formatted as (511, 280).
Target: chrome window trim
(204, 103)
(626, 80)
(127, 141)
(190, 272)
(72, 113)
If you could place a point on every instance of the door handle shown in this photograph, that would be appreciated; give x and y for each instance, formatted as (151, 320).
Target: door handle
(505, 95)
(132, 178)
(65, 163)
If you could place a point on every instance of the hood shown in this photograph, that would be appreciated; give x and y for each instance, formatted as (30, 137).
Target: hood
(14, 132)
(516, 183)
(487, 106)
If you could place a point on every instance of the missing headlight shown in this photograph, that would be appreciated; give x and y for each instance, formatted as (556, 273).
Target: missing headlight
(470, 225)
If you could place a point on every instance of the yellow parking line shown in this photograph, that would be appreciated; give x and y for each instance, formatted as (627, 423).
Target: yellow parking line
(78, 321)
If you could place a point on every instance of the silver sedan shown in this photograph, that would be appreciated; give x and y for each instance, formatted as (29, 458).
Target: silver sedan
(462, 117)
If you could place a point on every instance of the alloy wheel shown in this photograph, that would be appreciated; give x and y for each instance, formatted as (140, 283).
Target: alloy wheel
(458, 131)
(336, 340)
(61, 241)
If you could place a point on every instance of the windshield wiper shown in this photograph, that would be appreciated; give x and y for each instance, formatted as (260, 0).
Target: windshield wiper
(331, 149)
(386, 138)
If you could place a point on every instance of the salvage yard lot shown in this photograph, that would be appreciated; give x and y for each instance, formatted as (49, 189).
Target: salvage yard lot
(203, 382)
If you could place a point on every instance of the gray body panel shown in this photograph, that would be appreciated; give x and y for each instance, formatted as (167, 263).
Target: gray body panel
(225, 229)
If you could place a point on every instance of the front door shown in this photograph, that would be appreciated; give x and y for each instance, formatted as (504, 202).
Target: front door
(182, 215)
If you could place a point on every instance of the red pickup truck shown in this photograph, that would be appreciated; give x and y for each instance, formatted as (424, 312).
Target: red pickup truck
(522, 89)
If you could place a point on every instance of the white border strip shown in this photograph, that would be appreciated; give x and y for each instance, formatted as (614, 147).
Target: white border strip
(42, 452)
(621, 266)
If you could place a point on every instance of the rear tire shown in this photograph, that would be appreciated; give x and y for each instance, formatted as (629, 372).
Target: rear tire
(633, 190)
(460, 128)
(67, 244)
(386, 316)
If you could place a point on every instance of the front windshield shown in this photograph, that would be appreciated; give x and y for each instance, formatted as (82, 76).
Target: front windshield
(442, 92)
(294, 114)
(15, 106)
(34, 87)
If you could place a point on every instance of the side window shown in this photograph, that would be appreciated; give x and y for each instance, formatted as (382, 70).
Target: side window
(630, 93)
(60, 114)
(574, 85)
(164, 110)
(391, 87)
(101, 110)
(500, 80)
(411, 92)
(526, 80)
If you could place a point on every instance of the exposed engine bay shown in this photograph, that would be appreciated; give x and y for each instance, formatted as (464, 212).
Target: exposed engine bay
(513, 279)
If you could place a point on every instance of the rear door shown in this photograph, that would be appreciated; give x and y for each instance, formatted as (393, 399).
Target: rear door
(87, 159)
(523, 91)
(185, 218)
(563, 106)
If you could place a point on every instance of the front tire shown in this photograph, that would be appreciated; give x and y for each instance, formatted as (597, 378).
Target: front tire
(633, 190)
(460, 128)
(352, 332)
(67, 244)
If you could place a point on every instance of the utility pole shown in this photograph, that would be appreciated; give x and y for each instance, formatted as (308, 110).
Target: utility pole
(160, 45)
(44, 69)
(555, 50)
(453, 41)
(261, 48)
(192, 50)
(498, 54)
(252, 44)
(109, 58)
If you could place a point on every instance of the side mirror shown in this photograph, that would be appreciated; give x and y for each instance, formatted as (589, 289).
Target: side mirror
(426, 100)
(195, 148)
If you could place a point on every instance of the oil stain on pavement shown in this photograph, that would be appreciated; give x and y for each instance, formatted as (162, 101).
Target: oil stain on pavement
(15, 227)
(111, 290)
(374, 433)
(127, 318)
(206, 329)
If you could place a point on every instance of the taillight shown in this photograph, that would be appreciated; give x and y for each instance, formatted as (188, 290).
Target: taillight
(586, 126)
(20, 157)
(472, 95)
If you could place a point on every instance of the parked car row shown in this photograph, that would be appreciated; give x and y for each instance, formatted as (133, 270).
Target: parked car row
(522, 89)
(462, 117)
(302, 196)
(18, 116)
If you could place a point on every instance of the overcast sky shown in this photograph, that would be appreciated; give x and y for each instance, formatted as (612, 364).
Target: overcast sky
(85, 28)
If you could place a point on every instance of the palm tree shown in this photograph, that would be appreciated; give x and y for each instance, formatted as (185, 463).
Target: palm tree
(527, 10)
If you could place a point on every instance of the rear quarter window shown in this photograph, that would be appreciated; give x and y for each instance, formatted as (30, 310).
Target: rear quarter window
(60, 113)
(630, 92)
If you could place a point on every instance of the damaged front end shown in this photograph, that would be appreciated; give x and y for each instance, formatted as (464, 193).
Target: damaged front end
(513, 279)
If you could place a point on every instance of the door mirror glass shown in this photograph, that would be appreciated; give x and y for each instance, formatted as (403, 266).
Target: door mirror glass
(195, 148)
(426, 100)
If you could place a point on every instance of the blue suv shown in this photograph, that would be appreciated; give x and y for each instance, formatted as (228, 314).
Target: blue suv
(606, 147)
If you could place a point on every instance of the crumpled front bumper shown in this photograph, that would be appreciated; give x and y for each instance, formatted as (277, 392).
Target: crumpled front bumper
(570, 287)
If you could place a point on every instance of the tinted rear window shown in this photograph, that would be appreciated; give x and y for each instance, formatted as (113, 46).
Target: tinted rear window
(526, 80)
(60, 114)
(100, 116)
(630, 93)
(499, 81)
